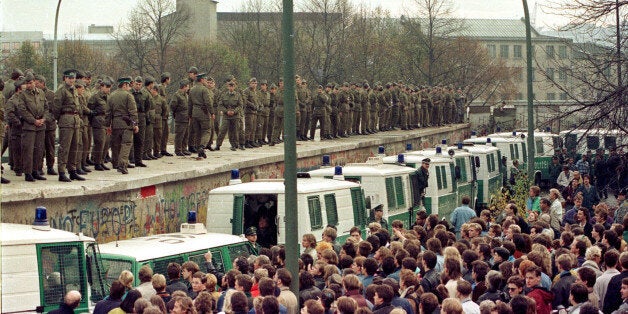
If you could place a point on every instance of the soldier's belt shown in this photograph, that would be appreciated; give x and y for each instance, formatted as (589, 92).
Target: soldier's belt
(70, 113)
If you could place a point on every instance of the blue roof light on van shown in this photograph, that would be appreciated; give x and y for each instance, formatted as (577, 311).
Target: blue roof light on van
(401, 159)
(381, 150)
(408, 146)
(326, 161)
(41, 219)
(439, 150)
(548, 129)
(460, 145)
(488, 141)
(514, 133)
(499, 129)
(235, 177)
(338, 173)
(444, 141)
(192, 217)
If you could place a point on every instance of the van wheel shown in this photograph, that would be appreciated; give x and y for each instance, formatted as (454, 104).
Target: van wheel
(537, 179)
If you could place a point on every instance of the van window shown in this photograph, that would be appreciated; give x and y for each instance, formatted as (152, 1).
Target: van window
(399, 191)
(240, 249)
(316, 217)
(217, 261)
(593, 142)
(524, 152)
(390, 193)
(462, 168)
(238, 208)
(540, 149)
(414, 185)
(359, 209)
(439, 182)
(61, 270)
(571, 140)
(443, 173)
(160, 266)
(512, 152)
(491, 162)
(610, 142)
(331, 209)
(499, 157)
(113, 267)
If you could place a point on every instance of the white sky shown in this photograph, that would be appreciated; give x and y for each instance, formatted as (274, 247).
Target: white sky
(76, 15)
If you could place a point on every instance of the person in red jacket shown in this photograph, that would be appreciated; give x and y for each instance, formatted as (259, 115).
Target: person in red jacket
(542, 296)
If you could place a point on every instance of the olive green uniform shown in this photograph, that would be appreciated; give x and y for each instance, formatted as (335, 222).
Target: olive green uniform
(165, 114)
(251, 106)
(179, 109)
(84, 143)
(97, 104)
(122, 117)
(142, 105)
(278, 122)
(15, 133)
(230, 104)
(263, 116)
(344, 111)
(66, 111)
(149, 132)
(51, 132)
(318, 114)
(160, 106)
(303, 120)
(200, 109)
(32, 107)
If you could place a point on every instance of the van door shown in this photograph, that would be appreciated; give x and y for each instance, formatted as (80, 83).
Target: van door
(259, 211)
(238, 209)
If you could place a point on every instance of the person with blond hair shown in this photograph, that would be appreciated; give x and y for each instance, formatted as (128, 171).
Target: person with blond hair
(451, 306)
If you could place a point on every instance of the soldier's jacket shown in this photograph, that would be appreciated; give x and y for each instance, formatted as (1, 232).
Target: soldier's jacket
(251, 101)
(344, 99)
(364, 96)
(448, 98)
(303, 96)
(9, 89)
(141, 100)
(51, 122)
(320, 103)
(279, 103)
(230, 101)
(98, 106)
(388, 97)
(121, 110)
(382, 101)
(403, 100)
(374, 105)
(201, 102)
(149, 107)
(264, 101)
(216, 94)
(32, 107)
(12, 115)
(160, 106)
(333, 97)
(84, 111)
(66, 107)
(357, 100)
(179, 107)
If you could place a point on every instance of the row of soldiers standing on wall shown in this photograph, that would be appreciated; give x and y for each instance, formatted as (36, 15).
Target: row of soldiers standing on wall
(343, 110)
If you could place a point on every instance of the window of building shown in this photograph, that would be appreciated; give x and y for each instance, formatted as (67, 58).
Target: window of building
(503, 51)
(551, 96)
(516, 51)
(550, 52)
(519, 73)
(563, 96)
(519, 96)
(550, 73)
(562, 74)
(492, 50)
(562, 52)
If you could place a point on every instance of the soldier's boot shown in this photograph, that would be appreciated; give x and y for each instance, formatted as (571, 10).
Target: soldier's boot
(242, 147)
(78, 171)
(29, 177)
(4, 181)
(247, 145)
(74, 175)
(191, 149)
(51, 171)
(201, 153)
(84, 168)
(104, 167)
(99, 168)
(63, 177)
(37, 176)
(217, 147)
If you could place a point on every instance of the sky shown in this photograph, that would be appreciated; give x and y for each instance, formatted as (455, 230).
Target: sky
(76, 15)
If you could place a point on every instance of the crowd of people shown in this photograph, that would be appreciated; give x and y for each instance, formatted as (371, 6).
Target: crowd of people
(531, 260)
(96, 123)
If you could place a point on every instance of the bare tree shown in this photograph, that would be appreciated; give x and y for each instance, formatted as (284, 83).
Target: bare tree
(133, 40)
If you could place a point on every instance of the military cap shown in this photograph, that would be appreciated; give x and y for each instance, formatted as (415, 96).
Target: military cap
(320, 86)
(394, 84)
(183, 83)
(79, 83)
(165, 75)
(80, 74)
(273, 86)
(297, 77)
(70, 73)
(345, 84)
(193, 70)
(303, 81)
(200, 76)
(250, 231)
(253, 80)
(281, 79)
(149, 79)
(426, 160)
(366, 85)
(139, 79)
(88, 74)
(378, 207)
(231, 83)
(19, 83)
(263, 82)
(29, 78)
(17, 73)
(124, 79)
(40, 78)
(330, 85)
(106, 81)
(209, 78)
(232, 77)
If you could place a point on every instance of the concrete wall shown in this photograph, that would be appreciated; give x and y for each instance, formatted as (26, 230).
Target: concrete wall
(159, 204)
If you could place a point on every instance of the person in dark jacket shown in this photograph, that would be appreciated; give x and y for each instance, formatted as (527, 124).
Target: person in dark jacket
(431, 279)
(562, 287)
(612, 301)
(383, 296)
(423, 175)
(113, 301)
(307, 290)
(493, 293)
(71, 301)
(540, 295)
(174, 274)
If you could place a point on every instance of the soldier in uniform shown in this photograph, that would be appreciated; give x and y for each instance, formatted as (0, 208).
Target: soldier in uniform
(191, 140)
(251, 106)
(97, 104)
(402, 107)
(426, 107)
(149, 83)
(15, 127)
(142, 103)
(229, 105)
(83, 140)
(307, 112)
(264, 113)
(2, 125)
(159, 103)
(9, 88)
(329, 110)
(344, 110)
(302, 102)
(356, 110)
(179, 109)
(373, 108)
(278, 122)
(200, 110)
(33, 110)
(423, 175)
(214, 123)
(51, 126)
(122, 121)
(165, 113)
(66, 111)
(366, 109)
(319, 113)
(271, 117)
(87, 136)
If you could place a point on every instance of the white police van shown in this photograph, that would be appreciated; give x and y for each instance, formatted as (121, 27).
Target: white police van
(488, 171)
(234, 208)
(512, 148)
(392, 186)
(40, 265)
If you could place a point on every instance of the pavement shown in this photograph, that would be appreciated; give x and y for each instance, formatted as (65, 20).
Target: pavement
(169, 169)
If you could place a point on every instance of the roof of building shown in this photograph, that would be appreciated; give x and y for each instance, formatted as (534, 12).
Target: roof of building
(496, 28)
